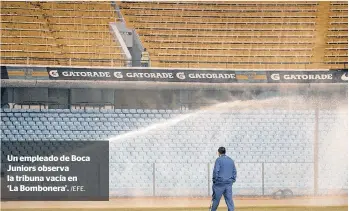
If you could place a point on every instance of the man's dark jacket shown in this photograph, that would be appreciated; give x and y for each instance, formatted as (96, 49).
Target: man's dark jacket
(224, 171)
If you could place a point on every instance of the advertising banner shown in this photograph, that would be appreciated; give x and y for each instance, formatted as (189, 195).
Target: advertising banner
(335, 76)
(157, 75)
(199, 76)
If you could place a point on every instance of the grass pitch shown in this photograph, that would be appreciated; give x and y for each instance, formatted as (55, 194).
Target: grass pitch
(193, 209)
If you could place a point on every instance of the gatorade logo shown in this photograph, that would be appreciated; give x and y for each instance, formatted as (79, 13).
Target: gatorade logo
(118, 75)
(53, 73)
(180, 75)
(275, 77)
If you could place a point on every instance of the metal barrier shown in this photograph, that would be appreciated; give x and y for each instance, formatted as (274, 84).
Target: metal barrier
(242, 187)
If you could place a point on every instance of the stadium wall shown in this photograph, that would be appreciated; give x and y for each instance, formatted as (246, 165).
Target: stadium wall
(285, 136)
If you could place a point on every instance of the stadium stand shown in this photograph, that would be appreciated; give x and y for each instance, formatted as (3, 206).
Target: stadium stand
(58, 33)
(260, 35)
(279, 141)
(233, 34)
(337, 37)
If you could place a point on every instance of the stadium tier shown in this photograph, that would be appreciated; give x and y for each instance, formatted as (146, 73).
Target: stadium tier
(260, 35)
(56, 33)
(272, 148)
(337, 35)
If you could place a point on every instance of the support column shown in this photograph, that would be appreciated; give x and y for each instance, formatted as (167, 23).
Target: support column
(320, 39)
(153, 179)
(208, 179)
(316, 152)
(263, 179)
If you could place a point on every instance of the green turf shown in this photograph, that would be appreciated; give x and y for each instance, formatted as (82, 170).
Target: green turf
(195, 209)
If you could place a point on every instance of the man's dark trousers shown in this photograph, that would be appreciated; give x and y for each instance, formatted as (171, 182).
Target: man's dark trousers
(225, 190)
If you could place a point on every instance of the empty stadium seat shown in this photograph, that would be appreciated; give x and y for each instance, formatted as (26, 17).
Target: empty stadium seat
(281, 139)
(259, 35)
(58, 33)
(185, 34)
(336, 50)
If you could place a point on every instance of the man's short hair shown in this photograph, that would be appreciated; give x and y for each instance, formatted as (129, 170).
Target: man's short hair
(221, 150)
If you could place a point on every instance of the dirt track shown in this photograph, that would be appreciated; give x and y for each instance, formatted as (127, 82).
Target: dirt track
(180, 202)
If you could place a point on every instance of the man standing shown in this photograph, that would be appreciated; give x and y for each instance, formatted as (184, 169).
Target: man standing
(224, 175)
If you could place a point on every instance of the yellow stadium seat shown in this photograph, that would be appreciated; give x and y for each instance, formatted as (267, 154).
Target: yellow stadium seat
(48, 30)
(178, 34)
(241, 31)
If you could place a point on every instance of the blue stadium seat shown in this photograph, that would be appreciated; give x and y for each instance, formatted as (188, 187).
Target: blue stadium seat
(17, 114)
(71, 115)
(33, 114)
(14, 131)
(13, 119)
(61, 132)
(11, 137)
(107, 123)
(92, 110)
(107, 115)
(26, 137)
(18, 137)
(62, 123)
(69, 132)
(9, 114)
(70, 124)
(80, 137)
(30, 131)
(22, 131)
(58, 137)
(3, 126)
(67, 128)
(51, 119)
(46, 132)
(35, 119)
(58, 119)
(10, 123)
(34, 137)
(249, 136)
(103, 119)
(77, 110)
(106, 111)
(73, 119)
(99, 124)
(41, 136)
(2, 113)
(65, 137)
(72, 137)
